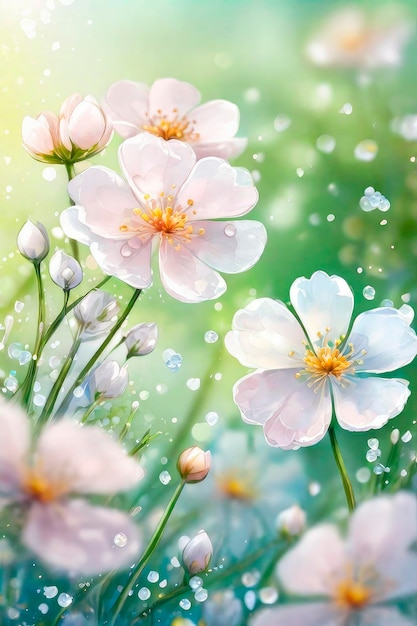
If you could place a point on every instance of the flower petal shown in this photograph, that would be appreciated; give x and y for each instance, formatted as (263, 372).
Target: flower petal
(264, 335)
(216, 120)
(322, 302)
(365, 403)
(307, 614)
(86, 458)
(153, 166)
(169, 95)
(385, 337)
(309, 567)
(36, 136)
(15, 443)
(86, 125)
(291, 413)
(230, 247)
(106, 198)
(80, 538)
(228, 149)
(126, 102)
(185, 277)
(216, 189)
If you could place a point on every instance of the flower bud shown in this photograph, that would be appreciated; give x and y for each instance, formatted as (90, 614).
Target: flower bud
(141, 339)
(33, 241)
(81, 130)
(194, 464)
(65, 271)
(95, 313)
(292, 521)
(108, 380)
(197, 553)
(395, 436)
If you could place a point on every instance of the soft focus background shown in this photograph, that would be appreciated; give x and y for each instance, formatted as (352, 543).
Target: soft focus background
(305, 124)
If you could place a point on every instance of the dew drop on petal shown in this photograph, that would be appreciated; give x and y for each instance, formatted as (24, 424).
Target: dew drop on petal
(39, 399)
(211, 336)
(64, 599)
(126, 250)
(120, 540)
(144, 593)
(185, 604)
(368, 292)
(230, 230)
(165, 477)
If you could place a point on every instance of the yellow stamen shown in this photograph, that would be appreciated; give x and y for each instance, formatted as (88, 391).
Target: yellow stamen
(171, 127)
(352, 594)
(324, 362)
(41, 488)
(236, 487)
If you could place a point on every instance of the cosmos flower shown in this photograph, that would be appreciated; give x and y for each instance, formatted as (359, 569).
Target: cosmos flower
(169, 199)
(168, 109)
(81, 130)
(45, 479)
(350, 38)
(312, 366)
(352, 578)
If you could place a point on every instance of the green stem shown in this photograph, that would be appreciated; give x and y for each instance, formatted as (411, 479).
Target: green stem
(147, 554)
(56, 322)
(347, 485)
(86, 369)
(89, 411)
(57, 386)
(73, 242)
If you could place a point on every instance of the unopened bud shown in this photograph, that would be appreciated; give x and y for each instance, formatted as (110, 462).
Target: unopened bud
(108, 380)
(141, 339)
(33, 241)
(197, 553)
(395, 435)
(194, 464)
(292, 521)
(95, 313)
(65, 271)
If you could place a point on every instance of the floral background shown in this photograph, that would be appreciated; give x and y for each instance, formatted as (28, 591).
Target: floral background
(319, 134)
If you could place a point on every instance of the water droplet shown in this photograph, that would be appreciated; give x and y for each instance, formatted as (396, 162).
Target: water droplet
(144, 395)
(282, 122)
(43, 608)
(24, 357)
(366, 150)
(212, 418)
(373, 443)
(346, 109)
(39, 399)
(185, 604)
(372, 455)
(249, 579)
(314, 488)
(64, 599)
(193, 384)
(250, 599)
(379, 469)
(144, 593)
(18, 306)
(201, 595)
(78, 392)
(14, 350)
(120, 540)
(300, 172)
(368, 292)
(326, 143)
(195, 582)
(153, 576)
(268, 595)
(211, 336)
(406, 437)
(11, 383)
(49, 174)
(50, 592)
(13, 613)
(172, 359)
(230, 230)
(165, 477)
(403, 473)
(363, 475)
(126, 250)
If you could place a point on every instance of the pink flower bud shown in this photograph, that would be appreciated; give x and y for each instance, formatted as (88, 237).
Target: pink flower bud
(194, 464)
(197, 553)
(292, 521)
(33, 241)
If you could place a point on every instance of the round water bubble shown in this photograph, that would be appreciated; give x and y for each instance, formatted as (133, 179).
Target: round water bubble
(268, 595)
(230, 230)
(185, 604)
(172, 359)
(366, 150)
(373, 443)
(211, 336)
(120, 540)
(406, 437)
(64, 599)
(379, 469)
(201, 595)
(165, 477)
(326, 143)
(195, 582)
(212, 418)
(144, 593)
(50, 592)
(368, 292)
(153, 576)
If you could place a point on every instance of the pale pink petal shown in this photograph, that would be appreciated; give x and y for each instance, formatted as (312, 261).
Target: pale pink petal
(69, 105)
(382, 340)
(216, 120)
(106, 198)
(14, 447)
(86, 125)
(126, 102)
(365, 403)
(153, 166)
(324, 304)
(73, 535)
(185, 277)
(315, 563)
(86, 459)
(125, 260)
(73, 224)
(227, 149)
(308, 614)
(384, 616)
(216, 189)
(64, 136)
(230, 247)
(36, 136)
(265, 334)
(169, 95)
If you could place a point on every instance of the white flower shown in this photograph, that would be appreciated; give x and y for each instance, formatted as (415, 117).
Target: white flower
(292, 521)
(65, 271)
(197, 553)
(311, 368)
(33, 241)
(108, 380)
(95, 313)
(141, 339)
(352, 578)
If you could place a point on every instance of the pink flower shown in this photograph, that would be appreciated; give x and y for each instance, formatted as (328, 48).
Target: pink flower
(168, 109)
(171, 199)
(353, 577)
(64, 530)
(310, 368)
(81, 130)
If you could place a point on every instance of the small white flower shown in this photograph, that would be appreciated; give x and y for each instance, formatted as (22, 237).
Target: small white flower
(65, 271)
(108, 380)
(95, 314)
(197, 553)
(141, 339)
(292, 521)
(33, 241)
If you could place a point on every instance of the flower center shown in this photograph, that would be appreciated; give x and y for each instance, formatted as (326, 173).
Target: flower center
(353, 41)
(37, 487)
(171, 127)
(236, 487)
(326, 361)
(162, 217)
(352, 594)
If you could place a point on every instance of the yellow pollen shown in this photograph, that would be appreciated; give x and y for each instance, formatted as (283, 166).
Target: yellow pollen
(326, 362)
(236, 488)
(171, 127)
(352, 594)
(40, 488)
(353, 42)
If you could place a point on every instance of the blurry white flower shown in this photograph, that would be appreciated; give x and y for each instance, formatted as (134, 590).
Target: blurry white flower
(197, 553)
(45, 479)
(194, 464)
(292, 521)
(33, 241)
(108, 380)
(65, 271)
(406, 127)
(95, 313)
(223, 608)
(141, 339)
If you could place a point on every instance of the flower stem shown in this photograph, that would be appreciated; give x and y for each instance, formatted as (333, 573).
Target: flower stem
(347, 485)
(74, 243)
(147, 554)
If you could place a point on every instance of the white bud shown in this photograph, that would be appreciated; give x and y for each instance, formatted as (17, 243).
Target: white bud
(108, 380)
(65, 271)
(141, 339)
(197, 553)
(33, 241)
(95, 313)
(395, 435)
(292, 521)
